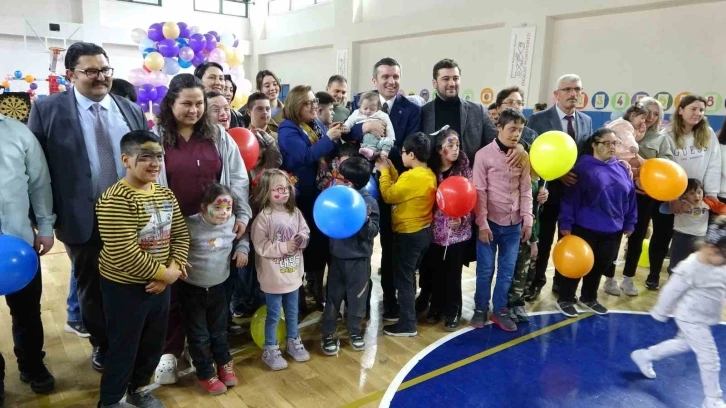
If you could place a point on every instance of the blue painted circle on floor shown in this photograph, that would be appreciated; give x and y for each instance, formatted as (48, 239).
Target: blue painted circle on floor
(584, 364)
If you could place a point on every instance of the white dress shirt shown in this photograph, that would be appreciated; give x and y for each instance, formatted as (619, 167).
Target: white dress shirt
(389, 102)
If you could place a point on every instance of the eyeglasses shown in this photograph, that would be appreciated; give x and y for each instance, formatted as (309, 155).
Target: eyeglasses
(92, 73)
(616, 143)
(281, 190)
(312, 103)
(513, 103)
(403, 151)
(570, 89)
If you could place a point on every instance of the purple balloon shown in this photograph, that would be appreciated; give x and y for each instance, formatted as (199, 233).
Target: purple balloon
(160, 93)
(199, 59)
(168, 48)
(214, 33)
(34, 86)
(146, 93)
(186, 54)
(156, 109)
(236, 42)
(211, 41)
(184, 32)
(182, 25)
(156, 32)
(197, 42)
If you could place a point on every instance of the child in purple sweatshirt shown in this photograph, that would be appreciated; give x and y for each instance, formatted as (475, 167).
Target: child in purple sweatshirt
(599, 208)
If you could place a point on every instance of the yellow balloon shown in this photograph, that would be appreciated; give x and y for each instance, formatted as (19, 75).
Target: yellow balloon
(226, 48)
(235, 58)
(257, 327)
(154, 61)
(553, 154)
(240, 99)
(644, 260)
(171, 30)
(29, 79)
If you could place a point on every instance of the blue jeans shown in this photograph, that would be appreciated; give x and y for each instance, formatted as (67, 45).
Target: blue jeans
(505, 239)
(73, 308)
(288, 301)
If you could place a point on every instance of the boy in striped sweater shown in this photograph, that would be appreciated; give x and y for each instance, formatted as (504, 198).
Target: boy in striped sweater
(145, 245)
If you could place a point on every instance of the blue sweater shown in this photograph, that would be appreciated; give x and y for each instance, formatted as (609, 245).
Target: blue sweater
(300, 157)
(602, 200)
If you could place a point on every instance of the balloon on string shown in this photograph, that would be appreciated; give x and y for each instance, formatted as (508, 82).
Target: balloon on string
(199, 59)
(156, 109)
(29, 78)
(168, 48)
(372, 187)
(249, 148)
(161, 92)
(170, 30)
(171, 66)
(184, 31)
(184, 64)
(146, 43)
(157, 78)
(18, 263)
(456, 196)
(156, 32)
(553, 154)
(154, 61)
(211, 42)
(197, 42)
(18, 74)
(146, 93)
(33, 86)
(138, 34)
(340, 212)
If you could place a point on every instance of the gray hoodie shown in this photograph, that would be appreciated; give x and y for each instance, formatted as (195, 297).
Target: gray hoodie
(210, 250)
(359, 245)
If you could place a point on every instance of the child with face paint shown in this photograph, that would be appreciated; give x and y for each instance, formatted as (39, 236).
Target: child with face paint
(440, 272)
(279, 235)
(202, 295)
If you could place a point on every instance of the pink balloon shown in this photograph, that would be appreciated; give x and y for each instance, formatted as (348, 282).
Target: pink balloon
(217, 55)
(158, 78)
(138, 77)
(186, 54)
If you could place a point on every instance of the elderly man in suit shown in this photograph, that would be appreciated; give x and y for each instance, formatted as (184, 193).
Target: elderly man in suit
(25, 184)
(563, 117)
(405, 117)
(80, 131)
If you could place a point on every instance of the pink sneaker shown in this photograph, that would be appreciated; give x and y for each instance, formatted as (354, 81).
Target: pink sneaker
(227, 375)
(213, 386)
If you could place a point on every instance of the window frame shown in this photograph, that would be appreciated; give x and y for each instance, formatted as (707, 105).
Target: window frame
(221, 8)
(158, 2)
(290, 8)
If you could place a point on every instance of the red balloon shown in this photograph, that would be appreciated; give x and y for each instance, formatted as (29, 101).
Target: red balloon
(145, 68)
(456, 196)
(248, 146)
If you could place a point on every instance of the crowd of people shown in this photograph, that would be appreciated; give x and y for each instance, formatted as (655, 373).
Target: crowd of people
(170, 236)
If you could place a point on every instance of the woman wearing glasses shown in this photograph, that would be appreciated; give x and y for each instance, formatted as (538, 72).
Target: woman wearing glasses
(305, 144)
(513, 97)
(599, 208)
(196, 154)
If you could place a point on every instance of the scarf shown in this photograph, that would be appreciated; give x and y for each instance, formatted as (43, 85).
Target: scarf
(312, 132)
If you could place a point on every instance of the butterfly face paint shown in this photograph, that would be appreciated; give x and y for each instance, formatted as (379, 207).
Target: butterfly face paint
(220, 210)
(450, 149)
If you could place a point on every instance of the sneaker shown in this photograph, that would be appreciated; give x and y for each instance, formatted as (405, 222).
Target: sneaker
(451, 324)
(519, 314)
(652, 284)
(479, 318)
(567, 308)
(389, 316)
(98, 358)
(235, 329)
(502, 319)
(396, 330)
(166, 372)
(531, 294)
(628, 287)
(143, 400)
(119, 404)
(713, 403)
(595, 307)
(213, 386)
(77, 328)
(272, 356)
(640, 358)
(330, 345)
(434, 316)
(227, 375)
(238, 311)
(41, 381)
(611, 287)
(296, 350)
(357, 342)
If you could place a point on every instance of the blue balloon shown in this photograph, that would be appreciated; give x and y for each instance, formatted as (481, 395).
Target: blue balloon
(184, 64)
(182, 42)
(372, 187)
(18, 264)
(340, 212)
(18, 75)
(148, 51)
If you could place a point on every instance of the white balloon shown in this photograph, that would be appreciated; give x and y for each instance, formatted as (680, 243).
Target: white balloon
(245, 85)
(225, 68)
(138, 34)
(226, 39)
(195, 29)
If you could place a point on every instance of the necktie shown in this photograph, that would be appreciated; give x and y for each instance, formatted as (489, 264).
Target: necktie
(104, 146)
(384, 108)
(570, 127)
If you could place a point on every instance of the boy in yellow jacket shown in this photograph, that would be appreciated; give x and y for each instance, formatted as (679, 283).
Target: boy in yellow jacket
(412, 197)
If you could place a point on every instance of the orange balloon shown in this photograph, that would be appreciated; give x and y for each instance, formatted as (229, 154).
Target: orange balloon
(663, 179)
(573, 257)
(29, 78)
(6, 84)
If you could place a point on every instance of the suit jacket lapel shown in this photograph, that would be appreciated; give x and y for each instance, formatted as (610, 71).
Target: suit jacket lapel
(555, 120)
(463, 112)
(581, 131)
(430, 123)
(127, 113)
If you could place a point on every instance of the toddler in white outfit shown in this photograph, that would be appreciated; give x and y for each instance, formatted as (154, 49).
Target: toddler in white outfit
(694, 294)
(369, 109)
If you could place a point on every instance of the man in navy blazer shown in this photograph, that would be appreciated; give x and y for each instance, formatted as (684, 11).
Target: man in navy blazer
(406, 119)
(563, 117)
(80, 132)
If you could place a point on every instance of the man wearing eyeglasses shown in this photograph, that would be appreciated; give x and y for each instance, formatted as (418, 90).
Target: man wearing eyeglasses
(563, 117)
(80, 132)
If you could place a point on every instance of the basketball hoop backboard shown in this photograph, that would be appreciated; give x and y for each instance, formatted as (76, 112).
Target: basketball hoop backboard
(38, 36)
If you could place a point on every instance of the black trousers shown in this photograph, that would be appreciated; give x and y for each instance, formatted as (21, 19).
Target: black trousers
(605, 248)
(136, 330)
(317, 254)
(85, 264)
(349, 280)
(27, 327)
(547, 227)
(659, 242)
(635, 242)
(408, 252)
(205, 313)
(682, 245)
(443, 277)
(390, 303)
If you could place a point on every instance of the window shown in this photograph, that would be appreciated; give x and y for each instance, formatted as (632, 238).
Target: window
(149, 2)
(283, 6)
(226, 7)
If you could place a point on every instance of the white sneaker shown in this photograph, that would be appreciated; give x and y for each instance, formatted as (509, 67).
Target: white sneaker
(628, 287)
(166, 371)
(714, 403)
(640, 358)
(611, 287)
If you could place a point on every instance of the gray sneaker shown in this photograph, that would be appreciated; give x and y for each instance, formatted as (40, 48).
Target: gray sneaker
(272, 356)
(519, 314)
(595, 307)
(479, 318)
(143, 400)
(296, 349)
(628, 287)
(504, 321)
(611, 287)
(119, 404)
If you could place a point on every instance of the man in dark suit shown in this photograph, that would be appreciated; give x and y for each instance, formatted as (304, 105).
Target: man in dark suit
(563, 117)
(80, 132)
(405, 117)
